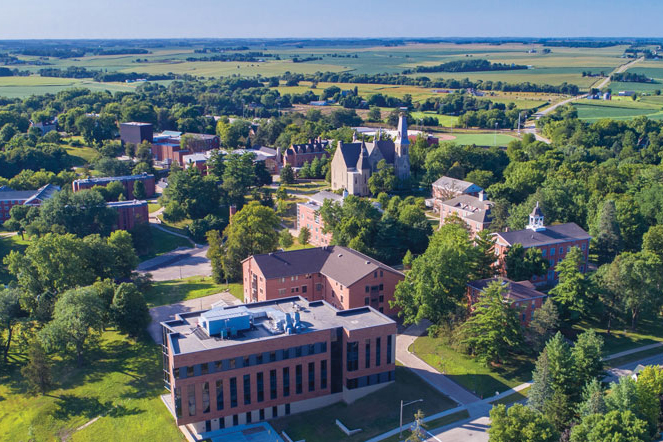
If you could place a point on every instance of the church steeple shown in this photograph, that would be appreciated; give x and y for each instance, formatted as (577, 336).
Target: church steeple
(536, 219)
(401, 135)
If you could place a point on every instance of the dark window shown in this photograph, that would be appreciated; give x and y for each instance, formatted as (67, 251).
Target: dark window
(247, 361)
(222, 423)
(262, 414)
(248, 417)
(261, 387)
(352, 356)
(375, 274)
(272, 384)
(311, 349)
(368, 353)
(218, 365)
(176, 373)
(189, 371)
(272, 356)
(204, 368)
(286, 353)
(235, 420)
(247, 389)
(381, 309)
(366, 300)
(311, 376)
(389, 349)
(378, 349)
(298, 379)
(298, 351)
(208, 426)
(323, 374)
(324, 348)
(275, 411)
(366, 289)
(219, 394)
(233, 392)
(381, 274)
(233, 363)
(287, 409)
(286, 381)
(205, 397)
(381, 299)
(381, 287)
(259, 358)
(303, 289)
(178, 402)
(351, 384)
(191, 389)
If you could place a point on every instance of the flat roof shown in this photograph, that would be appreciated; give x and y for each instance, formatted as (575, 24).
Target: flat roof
(126, 203)
(136, 123)
(109, 179)
(188, 337)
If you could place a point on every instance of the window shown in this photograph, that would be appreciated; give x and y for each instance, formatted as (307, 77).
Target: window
(352, 356)
(323, 374)
(178, 402)
(281, 292)
(287, 409)
(381, 309)
(543, 252)
(311, 376)
(247, 389)
(389, 349)
(367, 289)
(272, 356)
(298, 351)
(524, 316)
(205, 397)
(176, 373)
(235, 420)
(219, 394)
(375, 274)
(381, 287)
(366, 301)
(381, 274)
(233, 392)
(259, 358)
(298, 379)
(204, 368)
(286, 353)
(311, 349)
(378, 349)
(262, 414)
(341, 298)
(192, 399)
(561, 250)
(304, 289)
(233, 363)
(260, 386)
(582, 269)
(552, 251)
(247, 361)
(208, 425)
(583, 246)
(318, 287)
(218, 366)
(189, 371)
(272, 384)
(275, 411)
(286, 381)
(248, 417)
(381, 298)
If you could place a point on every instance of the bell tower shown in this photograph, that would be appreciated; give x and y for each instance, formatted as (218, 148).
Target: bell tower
(402, 147)
(536, 219)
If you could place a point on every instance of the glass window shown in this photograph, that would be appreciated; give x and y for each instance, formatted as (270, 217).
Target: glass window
(381, 287)
(262, 414)
(352, 356)
(272, 356)
(389, 349)
(189, 371)
(552, 251)
(583, 246)
(323, 374)
(247, 389)
(561, 250)
(204, 368)
(233, 392)
(304, 289)
(191, 389)
(378, 349)
(205, 397)
(272, 384)
(176, 373)
(219, 394)
(248, 417)
(366, 301)
(178, 402)
(275, 411)
(260, 387)
(367, 289)
(235, 420)
(287, 409)
(543, 252)
(259, 358)
(286, 381)
(368, 354)
(298, 379)
(298, 351)
(311, 376)
(381, 299)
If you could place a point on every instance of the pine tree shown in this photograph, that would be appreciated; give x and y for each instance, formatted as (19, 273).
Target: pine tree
(573, 290)
(407, 260)
(304, 235)
(483, 264)
(544, 323)
(316, 168)
(418, 434)
(593, 399)
(285, 239)
(607, 235)
(305, 171)
(542, 388)
(587, 358)
(38, 370)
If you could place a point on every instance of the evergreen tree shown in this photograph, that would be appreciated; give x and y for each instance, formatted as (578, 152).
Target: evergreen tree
(316, 168)
(407, 260)
(139, 190)
(493, 330)
(287, 174)
(418, 429)
(607, 235)
(304, 235)
(285, 239)
(542, 384)
(593, 399)
(573, 290)
(587, 358)
(305, 171)
(484, 248)
(37, 372)
(544, 324)
(215, 253)
(520, 424)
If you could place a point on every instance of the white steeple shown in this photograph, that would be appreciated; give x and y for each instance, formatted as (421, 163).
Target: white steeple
(536, 219)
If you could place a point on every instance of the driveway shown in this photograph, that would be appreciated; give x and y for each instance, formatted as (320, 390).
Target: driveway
(180, 263)
(168, 312)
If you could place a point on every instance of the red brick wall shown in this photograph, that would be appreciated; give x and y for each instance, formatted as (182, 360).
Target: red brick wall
(306, 216)
(129, 216)
(525, 307)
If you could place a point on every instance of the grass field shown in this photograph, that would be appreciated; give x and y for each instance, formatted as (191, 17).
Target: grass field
(82, 155)
(482, 139)
(374, 414)
(163, 242)
(121, 382)
(469, 373)
(13, 87)
(648, 331)
(7, 244)
(168, 292)
(618, 109)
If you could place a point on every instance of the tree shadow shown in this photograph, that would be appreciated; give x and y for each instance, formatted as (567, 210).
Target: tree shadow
(69, 406)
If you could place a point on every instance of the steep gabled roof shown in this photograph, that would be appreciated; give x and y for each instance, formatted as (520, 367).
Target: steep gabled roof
(349, 153)
(516, 291)
(551, 235)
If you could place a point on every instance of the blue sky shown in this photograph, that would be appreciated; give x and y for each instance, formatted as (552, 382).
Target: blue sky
(328, 18)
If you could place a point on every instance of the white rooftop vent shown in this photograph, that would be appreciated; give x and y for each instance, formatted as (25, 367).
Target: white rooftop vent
(340, 254)
(368, 262)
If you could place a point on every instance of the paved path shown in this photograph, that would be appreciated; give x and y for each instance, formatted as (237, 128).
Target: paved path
(166, 312)
(180, 263)
(437, 380)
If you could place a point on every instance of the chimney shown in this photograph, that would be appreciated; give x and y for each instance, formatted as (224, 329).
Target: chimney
(482, 196)
(232, 212)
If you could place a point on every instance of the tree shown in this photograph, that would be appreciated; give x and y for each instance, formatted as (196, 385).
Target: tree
(10, 313)
(613, 426)
(304, 235)
(587, 358)
(129, 310)
(484, 252)
(81, 213)
(493, 330)
(37, 372)
(544, 323)
(374, 114)
(418, 429)
(607, 235)
(652, 241)
(77, 316)
(124, 259)
(252, 231)
(593, 399)
(649, 387)
(215, 254)
(435, 287)
(287, 174)
(522, 264)
(285, 239)
(139, 190)
(541, 391)
(190, 194)
(382, 180)
(573, 290)
(520, 424)
(407, 260)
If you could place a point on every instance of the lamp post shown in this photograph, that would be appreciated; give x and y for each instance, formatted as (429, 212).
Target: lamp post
(401, 422)
(495, 141)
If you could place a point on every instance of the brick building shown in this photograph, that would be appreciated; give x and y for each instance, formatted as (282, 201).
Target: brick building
(308, 215)
(521, 295)
(167, 146)
(553, 241)
(297, 154)
(135, 133)
(447, 188)
(130, 213)
(10, 198)
(127, 181)
(237, 365)
(338, 275)
(475, 212)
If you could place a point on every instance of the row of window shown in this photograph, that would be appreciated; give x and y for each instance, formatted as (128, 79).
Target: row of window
(352, 353)
(248, 417)
(246, 390)
(249, 361)
(561, 250)
(374, 379)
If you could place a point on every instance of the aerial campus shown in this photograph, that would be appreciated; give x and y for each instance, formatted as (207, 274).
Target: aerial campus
(271, 232)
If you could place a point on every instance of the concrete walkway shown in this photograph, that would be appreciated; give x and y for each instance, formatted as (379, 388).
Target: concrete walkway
(429, 374)
(633, 350)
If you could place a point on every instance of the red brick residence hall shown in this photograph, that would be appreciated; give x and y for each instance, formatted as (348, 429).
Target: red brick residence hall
(521, 295)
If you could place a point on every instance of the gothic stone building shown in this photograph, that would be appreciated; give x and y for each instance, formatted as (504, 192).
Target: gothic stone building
(353, 163)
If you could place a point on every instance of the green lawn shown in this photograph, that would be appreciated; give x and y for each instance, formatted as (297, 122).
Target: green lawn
(445, 120)
(618, 362)
(82, 155)
(176, 290)
(307, 188)
(469, 373)
(516, 396)
(163, 242)
(482, 139)
(648, 331)
(374, 414)
(431, 425)
(153, 207)
(121, 381)
(7, 244)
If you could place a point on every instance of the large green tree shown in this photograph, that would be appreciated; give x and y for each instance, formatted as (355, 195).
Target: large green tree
(573, 290)
(520, 424)
(607, 236)
(544, 324)
(613, 426)
(522, 264)
(10, 313)
(382, 180)
(129, 310)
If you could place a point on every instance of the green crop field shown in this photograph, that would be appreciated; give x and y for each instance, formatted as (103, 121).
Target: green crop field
(618, 109)
(483, 139)
(34, 85)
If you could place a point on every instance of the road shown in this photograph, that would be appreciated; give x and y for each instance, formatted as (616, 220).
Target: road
(180, 263)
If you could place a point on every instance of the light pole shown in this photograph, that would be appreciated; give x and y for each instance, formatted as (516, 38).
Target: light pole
(405, 405)
(495, 141)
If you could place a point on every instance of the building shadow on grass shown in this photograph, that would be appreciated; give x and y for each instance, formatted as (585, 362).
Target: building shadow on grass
(69, 406)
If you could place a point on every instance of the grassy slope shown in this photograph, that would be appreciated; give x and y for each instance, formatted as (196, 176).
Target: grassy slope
(121, 380)
(374, 414)
(163, 243)
(167, 292)
(7, 244)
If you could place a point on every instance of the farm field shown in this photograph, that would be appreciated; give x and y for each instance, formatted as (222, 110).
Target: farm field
(618, 109)
(13, 87)
(652, 69)
(482, 139)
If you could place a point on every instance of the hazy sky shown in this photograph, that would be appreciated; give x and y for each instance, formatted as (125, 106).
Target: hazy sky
(329, 18)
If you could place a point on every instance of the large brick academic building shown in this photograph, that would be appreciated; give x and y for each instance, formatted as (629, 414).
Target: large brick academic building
(127, 181)
(236, 365)
(341, 276)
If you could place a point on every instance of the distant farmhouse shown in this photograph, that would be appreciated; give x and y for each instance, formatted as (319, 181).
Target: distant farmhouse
(354, 163)
(10, 198)
(45, 127)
